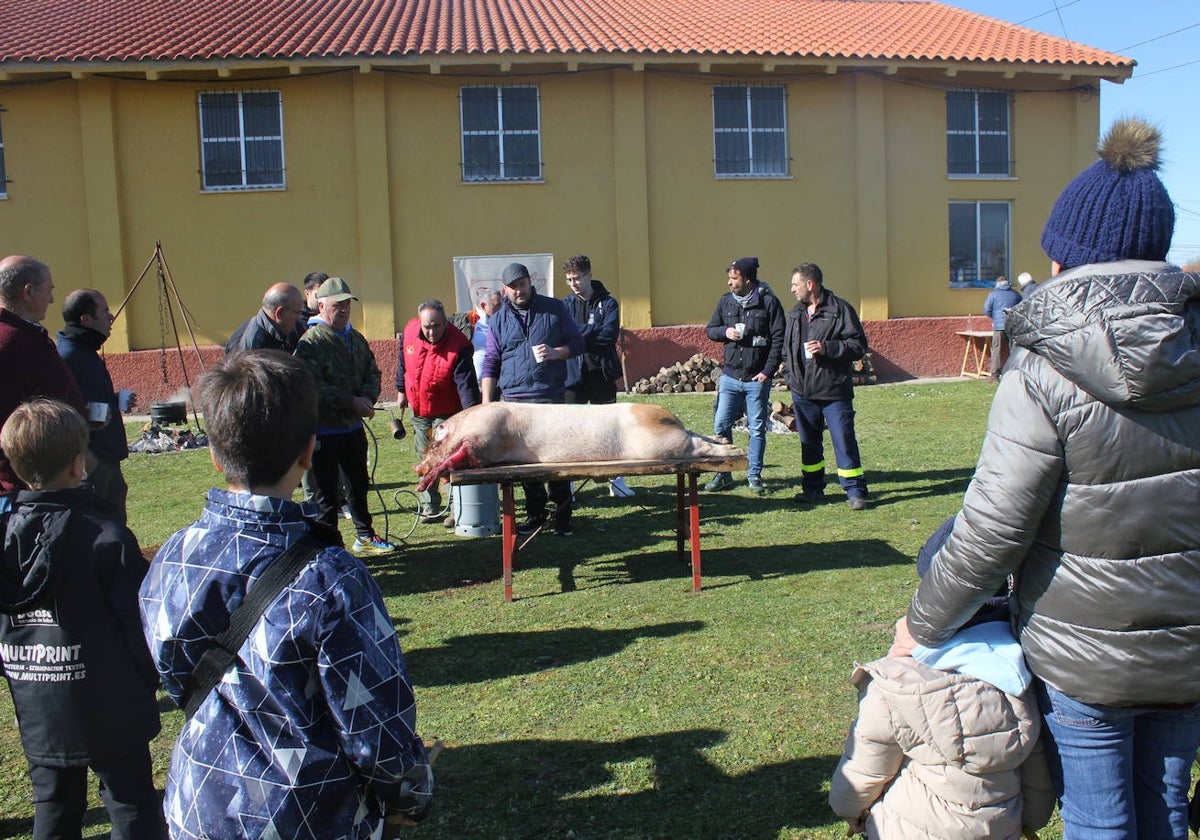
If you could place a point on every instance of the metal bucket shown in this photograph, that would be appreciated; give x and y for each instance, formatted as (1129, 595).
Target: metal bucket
(476, 509)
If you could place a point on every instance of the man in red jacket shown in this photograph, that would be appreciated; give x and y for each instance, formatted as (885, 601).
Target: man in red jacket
(436, 377)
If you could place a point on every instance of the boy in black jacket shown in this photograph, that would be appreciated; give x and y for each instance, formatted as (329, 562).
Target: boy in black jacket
(71, 642)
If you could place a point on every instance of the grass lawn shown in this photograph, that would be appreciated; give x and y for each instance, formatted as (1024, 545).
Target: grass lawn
(609, 701)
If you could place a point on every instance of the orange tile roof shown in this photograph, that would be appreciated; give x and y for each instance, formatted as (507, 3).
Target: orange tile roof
(209, 30)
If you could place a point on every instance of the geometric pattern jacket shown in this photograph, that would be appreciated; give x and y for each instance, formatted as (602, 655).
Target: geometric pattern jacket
(311, 733)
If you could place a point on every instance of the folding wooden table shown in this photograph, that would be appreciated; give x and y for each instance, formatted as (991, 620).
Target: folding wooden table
(687, 500)
(977, 351)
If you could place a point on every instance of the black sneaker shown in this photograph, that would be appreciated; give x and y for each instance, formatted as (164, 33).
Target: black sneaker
(563, 529)
(530, 524)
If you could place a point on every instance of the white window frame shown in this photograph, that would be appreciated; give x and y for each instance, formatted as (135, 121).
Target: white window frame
(241, 138)
(501, 133)
(758, 166)
(976, 134)
(973, 278)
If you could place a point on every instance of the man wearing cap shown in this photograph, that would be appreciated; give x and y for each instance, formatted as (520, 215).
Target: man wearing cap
(748, 320)
(1000, 299)
(529, 341)
(1086, 491)
(274, 327)
(435, 376)
(1026, 284)
(348, 383)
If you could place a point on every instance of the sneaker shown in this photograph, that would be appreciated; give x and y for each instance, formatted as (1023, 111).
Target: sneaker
(720, 481)
(856, 503)
(345, 511)
(427, 515)
(811, 497)
(372, 545)
(618, 488)
(530, 525)
(563, 529)
(756, 486)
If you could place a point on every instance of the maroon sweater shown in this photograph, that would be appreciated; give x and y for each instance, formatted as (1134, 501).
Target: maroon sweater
(32, 368)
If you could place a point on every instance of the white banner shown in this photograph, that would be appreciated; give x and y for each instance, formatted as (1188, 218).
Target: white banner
(477, 277)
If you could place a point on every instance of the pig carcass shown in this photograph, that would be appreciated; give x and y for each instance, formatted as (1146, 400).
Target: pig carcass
(533, 433)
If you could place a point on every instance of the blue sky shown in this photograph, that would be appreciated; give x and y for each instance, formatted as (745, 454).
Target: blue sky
(1163, 36)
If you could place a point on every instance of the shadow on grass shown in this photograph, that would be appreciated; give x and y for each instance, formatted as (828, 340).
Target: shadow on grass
(643, 787)
(481, 657)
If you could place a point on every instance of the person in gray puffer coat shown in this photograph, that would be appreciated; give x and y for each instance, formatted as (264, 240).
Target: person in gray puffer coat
(1086, 489)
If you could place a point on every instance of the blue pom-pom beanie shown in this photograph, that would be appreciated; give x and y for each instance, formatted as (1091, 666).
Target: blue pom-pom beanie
(1117, 208)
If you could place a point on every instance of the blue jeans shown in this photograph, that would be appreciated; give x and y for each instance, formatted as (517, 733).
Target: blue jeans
(812, 418)
(1120, 773)
(734, 397)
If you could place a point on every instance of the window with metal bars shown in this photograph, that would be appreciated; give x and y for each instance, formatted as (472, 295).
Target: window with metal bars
(977, 133)
(750, 131)
(980, 243)
(241, 140)
(501, 133)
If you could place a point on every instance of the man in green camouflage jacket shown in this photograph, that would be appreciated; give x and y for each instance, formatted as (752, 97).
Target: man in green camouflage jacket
(348, 383)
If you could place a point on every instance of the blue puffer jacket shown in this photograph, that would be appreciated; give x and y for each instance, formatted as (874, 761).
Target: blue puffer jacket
(998, 300)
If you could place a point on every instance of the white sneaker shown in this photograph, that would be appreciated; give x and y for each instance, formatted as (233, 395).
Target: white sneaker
(617, 487)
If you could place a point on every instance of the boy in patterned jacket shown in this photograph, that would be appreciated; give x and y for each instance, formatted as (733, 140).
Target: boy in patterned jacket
(312, 732)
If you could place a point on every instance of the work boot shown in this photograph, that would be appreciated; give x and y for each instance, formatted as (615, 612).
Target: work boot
(720, 481)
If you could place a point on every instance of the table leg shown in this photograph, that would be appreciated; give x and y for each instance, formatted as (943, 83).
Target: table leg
(694, 504)
(508, 536)
(680, 517)
(985, 355)
(970, 344)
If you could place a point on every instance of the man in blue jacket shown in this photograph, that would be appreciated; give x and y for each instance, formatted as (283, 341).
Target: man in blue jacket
(530, 339)
(1003, 297)
(88, 325)
(592, 375)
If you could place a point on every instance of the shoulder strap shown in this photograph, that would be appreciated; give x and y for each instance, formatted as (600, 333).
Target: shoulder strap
(217, 659)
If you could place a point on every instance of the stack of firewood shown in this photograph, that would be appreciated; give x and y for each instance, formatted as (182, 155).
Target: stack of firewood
(698, 374)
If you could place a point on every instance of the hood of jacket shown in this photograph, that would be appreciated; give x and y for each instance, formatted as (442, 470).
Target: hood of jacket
(35, 529)
(945, 718)
(1128, 333)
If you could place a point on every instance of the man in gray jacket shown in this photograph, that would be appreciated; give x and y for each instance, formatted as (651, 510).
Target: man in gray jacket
(1086, 490)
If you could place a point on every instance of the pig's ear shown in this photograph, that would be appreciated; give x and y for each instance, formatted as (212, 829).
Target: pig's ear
(440, 433)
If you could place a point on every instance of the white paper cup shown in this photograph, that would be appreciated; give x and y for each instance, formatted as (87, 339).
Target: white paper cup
(807, 353)
(539, 353)
(97, 412)
(741, 330)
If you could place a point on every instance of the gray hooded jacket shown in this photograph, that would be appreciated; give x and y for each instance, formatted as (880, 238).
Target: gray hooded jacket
(1087, 489)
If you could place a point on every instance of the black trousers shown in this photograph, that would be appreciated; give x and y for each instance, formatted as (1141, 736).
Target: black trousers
(535, 491)
(126, 787)
(347, 452)
(594, 389)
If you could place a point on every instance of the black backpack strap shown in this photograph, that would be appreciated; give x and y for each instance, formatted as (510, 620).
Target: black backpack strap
(217, 659)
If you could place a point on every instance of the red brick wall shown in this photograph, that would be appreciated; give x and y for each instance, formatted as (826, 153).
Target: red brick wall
(902, 348)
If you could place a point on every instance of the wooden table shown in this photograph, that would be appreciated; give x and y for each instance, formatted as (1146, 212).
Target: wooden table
(687, 500)
(978, 351)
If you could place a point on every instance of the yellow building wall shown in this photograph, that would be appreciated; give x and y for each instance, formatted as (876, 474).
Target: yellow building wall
(102, 168)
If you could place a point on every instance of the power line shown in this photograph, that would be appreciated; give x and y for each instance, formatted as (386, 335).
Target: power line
(1058, 7)
(1164, 69)
(1160, 37)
